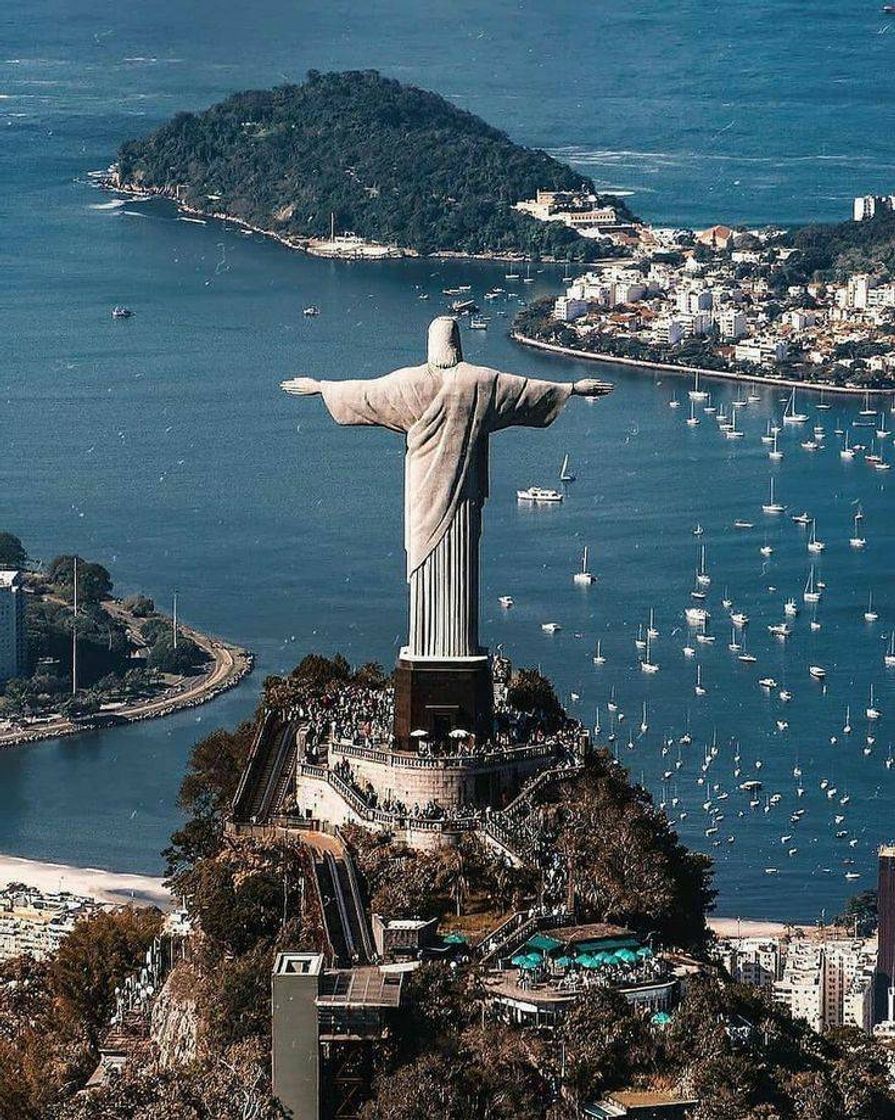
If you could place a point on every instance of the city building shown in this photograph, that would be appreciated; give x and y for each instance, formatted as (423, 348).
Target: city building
(402, 938)
(35, 923)
(866, 206)
(761, 351)
(581, 211)
(885, 957)
(801, 987)
(640, 1104)
(731, 323)
(13, 651)
(718, 237)
(755, 961)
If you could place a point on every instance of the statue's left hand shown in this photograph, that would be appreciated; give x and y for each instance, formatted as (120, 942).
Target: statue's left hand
(301, 386)
(590, 387)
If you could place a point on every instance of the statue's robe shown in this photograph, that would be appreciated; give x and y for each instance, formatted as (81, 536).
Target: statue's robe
(448, 416)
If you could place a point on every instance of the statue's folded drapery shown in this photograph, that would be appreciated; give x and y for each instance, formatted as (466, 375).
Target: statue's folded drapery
(448, 415)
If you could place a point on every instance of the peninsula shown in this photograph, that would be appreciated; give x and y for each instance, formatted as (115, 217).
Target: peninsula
(812, 307)
(403, 168)
(75, 658)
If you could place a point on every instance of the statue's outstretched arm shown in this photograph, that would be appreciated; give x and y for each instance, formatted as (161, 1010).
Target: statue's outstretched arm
(302, 386)
(590, 387)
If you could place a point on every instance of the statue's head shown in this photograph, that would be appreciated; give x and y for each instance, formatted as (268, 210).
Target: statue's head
(445, 349)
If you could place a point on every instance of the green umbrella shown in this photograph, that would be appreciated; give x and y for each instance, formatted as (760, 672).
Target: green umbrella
(626, 956)
(455, 939)
(661, 1019)
(644, 952)
(587, 960)
(562, 962)
(542, 943)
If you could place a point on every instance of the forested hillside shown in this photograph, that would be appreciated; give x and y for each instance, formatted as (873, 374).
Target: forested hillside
(394, 163)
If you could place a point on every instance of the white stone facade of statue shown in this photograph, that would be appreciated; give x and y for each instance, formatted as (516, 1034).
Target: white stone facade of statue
(447, 409)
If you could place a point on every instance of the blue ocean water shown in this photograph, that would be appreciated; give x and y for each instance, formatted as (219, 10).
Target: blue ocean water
(162, 446)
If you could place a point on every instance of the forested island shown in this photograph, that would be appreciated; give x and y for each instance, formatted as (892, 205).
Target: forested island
(396, 164)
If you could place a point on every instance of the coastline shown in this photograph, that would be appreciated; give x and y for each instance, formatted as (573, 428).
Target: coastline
(302, 244)
(717, 374)
(230, 665)
(115, 887)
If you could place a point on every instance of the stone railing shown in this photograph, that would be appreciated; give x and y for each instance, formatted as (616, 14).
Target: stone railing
(381, 816)
(446, 762)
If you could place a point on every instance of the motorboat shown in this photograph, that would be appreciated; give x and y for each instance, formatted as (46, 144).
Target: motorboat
(120, 312)
(817, 671)
(551, 627)
(539, 494)
(506, 601)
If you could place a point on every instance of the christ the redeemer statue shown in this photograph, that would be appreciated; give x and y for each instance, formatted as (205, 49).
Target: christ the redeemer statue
(448, 410)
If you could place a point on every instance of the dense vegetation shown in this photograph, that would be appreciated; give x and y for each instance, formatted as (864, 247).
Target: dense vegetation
(833, 252)
(106, 668)
(395, 163)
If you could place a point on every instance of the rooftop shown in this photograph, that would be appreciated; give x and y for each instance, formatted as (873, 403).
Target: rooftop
(360, 987)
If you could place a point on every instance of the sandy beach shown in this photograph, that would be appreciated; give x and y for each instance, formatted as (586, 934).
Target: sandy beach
(105, 886)
(747, 927)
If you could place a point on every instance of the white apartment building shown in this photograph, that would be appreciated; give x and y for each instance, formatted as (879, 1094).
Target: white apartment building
(761, 351)
(800, 319)
(35, 923)
(731, 323)
(855, 294)
(849, 969)
(12, 626)
(801, 988)
(865, 206)
(754, 961)
(667, 331)
(569, 308)
(691, 300)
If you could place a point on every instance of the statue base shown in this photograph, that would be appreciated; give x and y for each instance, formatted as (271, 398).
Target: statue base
(439, 696)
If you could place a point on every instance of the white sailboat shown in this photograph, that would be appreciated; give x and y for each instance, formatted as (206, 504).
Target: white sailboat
(889, 658)
(702, 576)
(872, 711)
(856, 540)
(733, 432)
(598, 657)
(697, 394)
(699, 688)
(692, 419)
(846, 452)
(870, 615)
(768, 437)
(651, 630)
(811, 593)
(583, 576)
(790, 416)
(775, 454)
(772, 505)
(814, 545)
(647, 665)
(867, 410)
(564, 473)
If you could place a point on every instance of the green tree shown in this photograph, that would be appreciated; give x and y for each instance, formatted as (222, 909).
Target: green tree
(94, 581)
(12, 551)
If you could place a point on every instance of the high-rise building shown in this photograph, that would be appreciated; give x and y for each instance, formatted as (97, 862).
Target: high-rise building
(885, 959)
(12, 625)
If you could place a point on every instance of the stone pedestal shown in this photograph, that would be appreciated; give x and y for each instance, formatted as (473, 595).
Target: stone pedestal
(439, 696)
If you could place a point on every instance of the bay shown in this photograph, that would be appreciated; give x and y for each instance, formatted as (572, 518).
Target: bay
(162, 447)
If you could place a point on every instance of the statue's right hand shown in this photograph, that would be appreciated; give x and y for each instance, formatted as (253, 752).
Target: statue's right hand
(301, 386)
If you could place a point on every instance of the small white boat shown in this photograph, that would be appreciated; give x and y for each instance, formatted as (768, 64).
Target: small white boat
(311, 312)
(889, 658)
(867, 410)
(870, 615)
(803, 518)
(766, 550)
(647, 665)
(785, 695)
(790, 608)
(551, 627)
(739, 618)
(651, 629)
(768, 437)
(538, 494)
(506, 601)
(702, 576)
(583, 576)
(872, 711)
(697, 616)
(811, 594)
(741, 523)
(775, 454)
(846, 452)
(817, 671)
(692, 419)
(779, 630)
(699, 688)
(598, 658)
